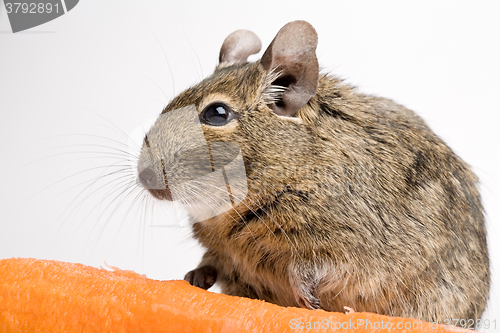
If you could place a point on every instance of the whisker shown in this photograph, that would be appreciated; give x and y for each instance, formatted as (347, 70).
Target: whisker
(163, 50)
(120, 187)
(95, 136)
(125, 171)
(113, 126)
(126, 193)
(123, 157)
(153, 82)
(140, 194)
(192, 48)
(259, 217)
(123, 152)
(69, 177)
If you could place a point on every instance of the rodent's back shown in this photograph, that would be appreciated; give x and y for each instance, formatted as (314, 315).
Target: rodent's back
(414, 205)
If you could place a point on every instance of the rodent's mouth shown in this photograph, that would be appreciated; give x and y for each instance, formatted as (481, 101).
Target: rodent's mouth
(163, 194)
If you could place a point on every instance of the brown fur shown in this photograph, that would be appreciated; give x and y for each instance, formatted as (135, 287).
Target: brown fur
(353, 201)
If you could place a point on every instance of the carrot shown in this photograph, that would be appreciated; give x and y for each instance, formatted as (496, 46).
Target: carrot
(52, 296)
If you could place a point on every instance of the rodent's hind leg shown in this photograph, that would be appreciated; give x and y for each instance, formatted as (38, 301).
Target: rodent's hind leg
(304, 282)
(202, 277)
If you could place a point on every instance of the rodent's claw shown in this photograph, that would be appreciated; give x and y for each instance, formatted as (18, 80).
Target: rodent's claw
(310, 302)
(202, 277)
(348, 310)
(315, 304)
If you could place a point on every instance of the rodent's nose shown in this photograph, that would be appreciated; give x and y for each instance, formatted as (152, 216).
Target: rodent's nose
(155, 185)
(148, 179)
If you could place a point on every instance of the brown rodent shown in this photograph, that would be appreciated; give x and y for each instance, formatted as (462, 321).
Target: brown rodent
(352, 200)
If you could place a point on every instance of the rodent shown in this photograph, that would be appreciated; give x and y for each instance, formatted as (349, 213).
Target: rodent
(352, 200)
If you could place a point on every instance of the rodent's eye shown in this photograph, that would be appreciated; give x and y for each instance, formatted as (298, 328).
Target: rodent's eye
(217, 114)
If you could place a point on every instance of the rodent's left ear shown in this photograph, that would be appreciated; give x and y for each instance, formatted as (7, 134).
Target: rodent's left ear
(238, 46)
(292, 54)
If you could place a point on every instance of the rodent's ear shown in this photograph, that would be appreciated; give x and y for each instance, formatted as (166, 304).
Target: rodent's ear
(238, 46)
(292, 54)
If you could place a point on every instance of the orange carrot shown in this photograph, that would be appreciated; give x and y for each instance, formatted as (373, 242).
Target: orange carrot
(51, 296)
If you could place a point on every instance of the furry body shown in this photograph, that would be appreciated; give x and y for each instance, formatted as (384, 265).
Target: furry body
(353, 201)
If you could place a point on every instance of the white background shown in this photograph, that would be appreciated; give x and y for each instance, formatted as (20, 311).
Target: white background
(71, 88)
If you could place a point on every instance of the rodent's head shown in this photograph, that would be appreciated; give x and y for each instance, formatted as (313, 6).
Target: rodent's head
(244, 112)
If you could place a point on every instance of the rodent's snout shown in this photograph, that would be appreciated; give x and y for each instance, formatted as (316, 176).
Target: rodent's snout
(154, 185)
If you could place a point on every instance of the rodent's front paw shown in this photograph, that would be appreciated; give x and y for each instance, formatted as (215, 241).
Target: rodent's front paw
(202, 277)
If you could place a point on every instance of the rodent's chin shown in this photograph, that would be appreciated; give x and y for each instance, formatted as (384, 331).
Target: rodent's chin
(200, 211)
